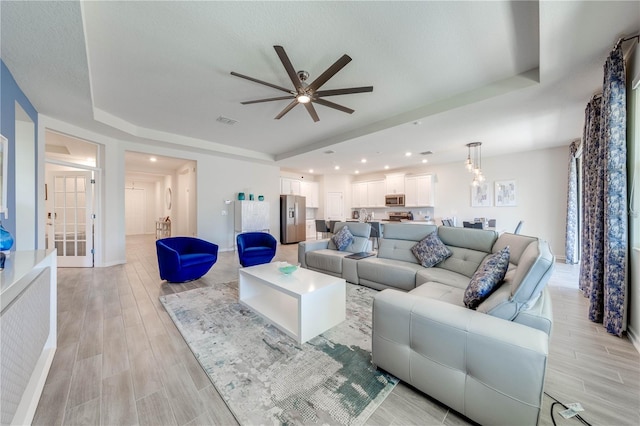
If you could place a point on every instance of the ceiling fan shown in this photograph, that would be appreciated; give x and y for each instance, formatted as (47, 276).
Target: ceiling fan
(305, 93)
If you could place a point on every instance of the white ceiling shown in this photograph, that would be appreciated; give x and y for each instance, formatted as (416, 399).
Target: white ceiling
(514, 75)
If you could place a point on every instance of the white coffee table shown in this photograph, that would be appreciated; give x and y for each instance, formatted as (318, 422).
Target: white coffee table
(302, 305)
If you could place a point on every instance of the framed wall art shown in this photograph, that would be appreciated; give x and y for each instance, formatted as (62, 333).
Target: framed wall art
(505, 193)
(480, 196)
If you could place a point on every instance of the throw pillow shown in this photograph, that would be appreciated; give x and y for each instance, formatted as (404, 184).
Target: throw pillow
(343, 238)
(485, 280)
(431, 250)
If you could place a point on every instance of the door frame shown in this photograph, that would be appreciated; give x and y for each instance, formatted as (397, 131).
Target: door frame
(97, 201)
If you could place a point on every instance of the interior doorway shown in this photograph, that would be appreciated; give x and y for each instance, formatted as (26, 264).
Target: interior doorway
(159, 189)
(70, 198)
(335, 206)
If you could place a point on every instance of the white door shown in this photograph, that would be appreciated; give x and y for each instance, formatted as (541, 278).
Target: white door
(134, 211)
(335, 206)
(70, 217)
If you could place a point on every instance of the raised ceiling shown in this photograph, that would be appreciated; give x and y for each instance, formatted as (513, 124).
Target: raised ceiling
(515, 75)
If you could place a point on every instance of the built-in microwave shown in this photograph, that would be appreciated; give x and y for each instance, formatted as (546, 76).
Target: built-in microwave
(394, 200)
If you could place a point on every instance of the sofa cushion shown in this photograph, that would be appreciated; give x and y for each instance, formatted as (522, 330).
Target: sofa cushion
(486, 279)
(534, 262)
(442, 276)
(463, 260)
(326, 260)
(343, 238)
(439, 291)
(394, 273)
(473, 239)
(430, 250)
(360, 232)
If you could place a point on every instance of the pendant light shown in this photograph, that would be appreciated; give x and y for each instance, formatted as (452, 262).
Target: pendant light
(474, 162)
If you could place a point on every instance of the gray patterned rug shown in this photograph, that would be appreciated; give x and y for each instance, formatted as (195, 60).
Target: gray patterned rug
(265, 377)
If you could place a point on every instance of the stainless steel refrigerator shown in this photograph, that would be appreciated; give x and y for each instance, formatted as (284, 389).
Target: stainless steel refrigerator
(293, 211)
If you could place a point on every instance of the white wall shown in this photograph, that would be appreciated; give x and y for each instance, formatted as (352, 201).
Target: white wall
(541, 178)
(25, 238)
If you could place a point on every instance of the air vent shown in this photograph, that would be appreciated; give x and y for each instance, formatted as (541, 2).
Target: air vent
(330, 151)
(426, 153)
(226, 120)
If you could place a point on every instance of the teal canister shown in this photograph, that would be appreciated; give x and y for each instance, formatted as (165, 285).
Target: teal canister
(241, 196)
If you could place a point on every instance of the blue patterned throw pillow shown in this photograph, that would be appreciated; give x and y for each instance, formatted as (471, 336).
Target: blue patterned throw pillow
(343, 238)
(490, 273)
(431, 250)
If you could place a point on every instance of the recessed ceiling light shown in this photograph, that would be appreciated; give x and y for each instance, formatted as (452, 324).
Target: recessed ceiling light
(386, 167)
(153, 159)
(310, 170)
(407, 154)
(424, 160)
(357, 171)
(336, 167)
(364, 160)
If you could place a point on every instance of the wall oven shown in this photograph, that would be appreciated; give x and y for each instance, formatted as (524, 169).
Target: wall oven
(394, 200)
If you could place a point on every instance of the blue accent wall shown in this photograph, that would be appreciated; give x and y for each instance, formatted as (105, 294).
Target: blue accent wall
(10, 93)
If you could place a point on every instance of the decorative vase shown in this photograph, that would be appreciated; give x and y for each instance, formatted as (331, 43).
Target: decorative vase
(251, 197)
(240, 195)
(260, 197)
(6, 239)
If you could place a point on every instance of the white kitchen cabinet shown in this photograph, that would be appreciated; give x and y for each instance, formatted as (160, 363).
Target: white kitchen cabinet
(368, 194)
(359, 194)
(419, 191)
(310, 191)
(394, 184)
(289, 186)
(375, 193)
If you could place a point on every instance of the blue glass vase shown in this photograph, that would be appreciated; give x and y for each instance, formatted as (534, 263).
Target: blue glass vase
(6, 239)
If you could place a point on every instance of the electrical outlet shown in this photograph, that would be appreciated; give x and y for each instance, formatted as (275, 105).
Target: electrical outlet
(224, 212)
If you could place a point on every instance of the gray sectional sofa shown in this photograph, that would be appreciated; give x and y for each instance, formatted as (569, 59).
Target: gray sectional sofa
(489, 363)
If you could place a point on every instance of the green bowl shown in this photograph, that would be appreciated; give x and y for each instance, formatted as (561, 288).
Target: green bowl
(288, 270)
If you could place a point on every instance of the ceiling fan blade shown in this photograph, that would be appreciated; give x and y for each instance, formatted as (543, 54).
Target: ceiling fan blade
(287, 109)
(255, 80)
(257, 101)
(288, 67)
(312, 111)
(348, 91)
(333, 105)
(329, 72)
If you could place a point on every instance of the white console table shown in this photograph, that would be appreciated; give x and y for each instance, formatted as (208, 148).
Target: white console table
(28, 318)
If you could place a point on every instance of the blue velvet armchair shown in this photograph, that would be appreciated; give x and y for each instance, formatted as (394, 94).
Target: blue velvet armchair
(255, 248)
(182, 259)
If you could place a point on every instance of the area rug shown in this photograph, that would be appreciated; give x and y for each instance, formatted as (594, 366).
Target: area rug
(265, 377)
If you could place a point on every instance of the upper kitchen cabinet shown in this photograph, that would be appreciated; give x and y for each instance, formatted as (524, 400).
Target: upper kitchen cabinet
(310, 190)
(368, 194)
(395, 184)
(375, 193)
(419, 191)
(359, 194)
(289, 186)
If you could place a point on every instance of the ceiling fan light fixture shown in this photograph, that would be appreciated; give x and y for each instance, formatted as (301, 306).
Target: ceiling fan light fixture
(304, 98)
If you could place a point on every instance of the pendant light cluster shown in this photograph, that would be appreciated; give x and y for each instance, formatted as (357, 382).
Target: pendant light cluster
(474, 162)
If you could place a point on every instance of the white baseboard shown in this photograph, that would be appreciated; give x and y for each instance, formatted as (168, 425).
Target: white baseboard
(31, 396)
(634, 338)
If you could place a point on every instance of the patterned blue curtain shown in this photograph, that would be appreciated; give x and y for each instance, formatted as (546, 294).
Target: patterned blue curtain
(570, 251)
(604, 236)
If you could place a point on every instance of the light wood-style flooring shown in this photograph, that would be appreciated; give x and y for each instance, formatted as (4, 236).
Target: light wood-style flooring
(121, 361)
